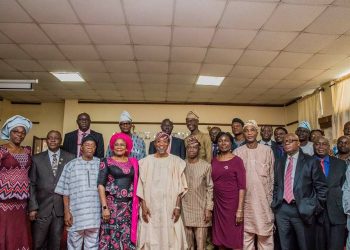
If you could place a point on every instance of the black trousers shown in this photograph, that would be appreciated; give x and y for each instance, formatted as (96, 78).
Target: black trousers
(294, 234)
(47, 232)
(329, 236)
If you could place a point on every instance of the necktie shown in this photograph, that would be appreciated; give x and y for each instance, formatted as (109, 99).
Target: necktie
(266, 144)
(288, 183)
(82, 136)
(54, 164)
(322, 165)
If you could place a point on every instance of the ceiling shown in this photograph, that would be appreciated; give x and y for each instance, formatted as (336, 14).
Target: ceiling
(271, 52)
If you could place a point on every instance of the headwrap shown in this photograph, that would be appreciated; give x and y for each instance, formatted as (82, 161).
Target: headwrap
(305, 124)
(14, 122)
(124, 137)
(162, 135)
(192, 140)
(125, 117)
(238, 120)
(192, 115)
(89, 137)
(251, 123)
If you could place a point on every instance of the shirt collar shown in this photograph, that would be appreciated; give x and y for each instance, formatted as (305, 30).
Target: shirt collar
(51, 153)
(295, 156)
(87, 132)
(325, 159)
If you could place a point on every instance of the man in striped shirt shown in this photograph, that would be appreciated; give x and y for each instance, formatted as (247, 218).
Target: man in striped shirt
(78, 185)
(197, 204)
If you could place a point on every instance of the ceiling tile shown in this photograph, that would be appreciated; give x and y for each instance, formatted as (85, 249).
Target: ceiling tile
(25, 65)
(233, 39)
(195, 37)
(150, 35)
(303, 74)
(233, 82)
(125, 77)
(182, 79)
(143, 12)
(153, 78)
(4, 39)
(5, 67)
(108, 34)
(342, 66)
(341, 3)
(256, 58)
(289, 84)
(44, 77)
(89, 66)
(79, 52)
(102, 85)
(223, 56)
(339, 46)
(290, 59)
(121, 67)
(12, 51)
(275, 73)
(262, 83)
(252, 91)
(187, 54)
(97, 77)
(198, 13)
(334, 20)
(310, 43)
(154, 88)
(53, 11)
(58, 66)
(322, 61)
(153, 67)
(179, 89)
(10, 11)
(246, 71)
(99, 12)
(269, 40)
(184, 68)
(152, 53)
(116, 52)
(24, 33)
(41, 51)
(246, 15)
(278, 91)
(318, 2)
(284, 17)
(215, 69)
(11, 75)
(66, 33)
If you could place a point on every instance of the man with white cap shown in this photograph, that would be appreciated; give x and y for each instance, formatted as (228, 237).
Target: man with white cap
(192, 120)
(139, 147)
(303, 132)
(258, 161)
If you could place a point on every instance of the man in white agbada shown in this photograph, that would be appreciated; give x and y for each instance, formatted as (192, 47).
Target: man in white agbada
(161, 185)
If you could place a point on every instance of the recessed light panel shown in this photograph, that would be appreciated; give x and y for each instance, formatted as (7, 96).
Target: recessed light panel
(68, 76)
(210, 80)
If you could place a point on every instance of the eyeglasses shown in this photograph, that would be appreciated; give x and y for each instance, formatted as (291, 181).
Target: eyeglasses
(290, 141)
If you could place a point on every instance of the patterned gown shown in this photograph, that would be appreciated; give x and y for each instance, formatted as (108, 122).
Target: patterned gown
(14, 192)
(117, 177)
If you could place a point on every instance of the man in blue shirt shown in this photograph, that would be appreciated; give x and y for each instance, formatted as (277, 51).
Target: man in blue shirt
(330, 225)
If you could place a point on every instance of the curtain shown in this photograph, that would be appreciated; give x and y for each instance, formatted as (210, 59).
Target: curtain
(310, 109)
(341, 106)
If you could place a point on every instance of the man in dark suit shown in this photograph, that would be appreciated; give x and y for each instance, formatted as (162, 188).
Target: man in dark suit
(299, 194)
(266, 133)
(177, 145)
(330, 225)
(72, 140)
(46, 207)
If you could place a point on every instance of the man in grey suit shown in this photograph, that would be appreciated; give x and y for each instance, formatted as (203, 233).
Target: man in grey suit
(46, 207)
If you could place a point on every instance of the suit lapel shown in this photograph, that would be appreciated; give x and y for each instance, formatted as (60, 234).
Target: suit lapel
(282, 168)
(48, 163)
(75, 144)
(298, 168)
(61, 163)
(331, 171)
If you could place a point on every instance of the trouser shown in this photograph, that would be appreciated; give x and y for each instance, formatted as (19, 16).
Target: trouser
(87, 237)
(196, 236)
(263, 242)
(47, 232)
(348, 238)
(293, 232)
(329, 236)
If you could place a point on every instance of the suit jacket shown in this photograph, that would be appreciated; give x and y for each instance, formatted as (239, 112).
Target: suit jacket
(177, 147)
(335, 180)
(71, 139)
(43, 183)
(309, 187)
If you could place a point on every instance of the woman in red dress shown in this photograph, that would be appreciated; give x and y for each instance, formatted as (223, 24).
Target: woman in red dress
(15, 162)
(228, 175)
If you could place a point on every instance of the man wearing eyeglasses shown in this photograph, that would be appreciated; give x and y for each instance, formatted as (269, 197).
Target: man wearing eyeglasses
(299, 194)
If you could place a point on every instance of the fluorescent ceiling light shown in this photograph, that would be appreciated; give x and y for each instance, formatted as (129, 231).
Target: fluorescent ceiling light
(68, 76)
(17, 85)
(210, 80)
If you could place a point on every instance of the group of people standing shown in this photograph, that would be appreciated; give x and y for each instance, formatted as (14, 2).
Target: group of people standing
(231, 192)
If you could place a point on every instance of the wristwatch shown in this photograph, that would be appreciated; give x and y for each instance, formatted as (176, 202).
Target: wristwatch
(104, 207)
